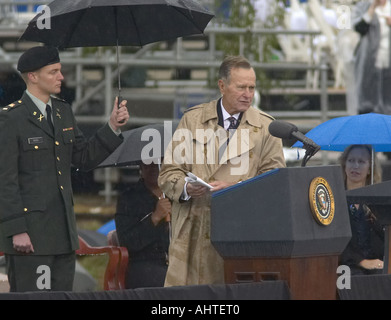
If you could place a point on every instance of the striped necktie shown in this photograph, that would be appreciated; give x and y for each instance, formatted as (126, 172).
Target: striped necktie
(232, 124)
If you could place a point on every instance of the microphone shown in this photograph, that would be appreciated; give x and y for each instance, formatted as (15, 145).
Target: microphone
(286, 130)
(282, 129)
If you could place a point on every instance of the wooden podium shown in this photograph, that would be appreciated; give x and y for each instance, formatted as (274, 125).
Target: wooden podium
(378, 199)
(288, 224)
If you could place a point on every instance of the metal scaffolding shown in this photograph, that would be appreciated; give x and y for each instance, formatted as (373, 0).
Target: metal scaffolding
(91, 74)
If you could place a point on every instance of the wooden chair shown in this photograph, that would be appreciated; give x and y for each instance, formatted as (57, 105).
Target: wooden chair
(112, 240)
(114, 278)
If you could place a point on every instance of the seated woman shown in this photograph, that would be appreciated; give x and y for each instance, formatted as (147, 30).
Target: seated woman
(142, 223)
(364, 253)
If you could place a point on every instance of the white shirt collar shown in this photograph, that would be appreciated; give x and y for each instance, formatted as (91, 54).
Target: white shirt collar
(39, 103)
(226, 115)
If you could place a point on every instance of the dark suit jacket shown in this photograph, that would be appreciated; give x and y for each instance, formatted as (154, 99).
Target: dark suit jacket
(147, 244)
(35, 174)
(137, 233)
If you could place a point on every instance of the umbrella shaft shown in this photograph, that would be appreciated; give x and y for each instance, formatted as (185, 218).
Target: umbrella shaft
(119, 80)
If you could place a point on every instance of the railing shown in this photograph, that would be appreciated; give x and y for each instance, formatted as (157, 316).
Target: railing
(179, 57)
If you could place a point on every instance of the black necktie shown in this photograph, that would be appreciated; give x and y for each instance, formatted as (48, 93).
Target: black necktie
(49, 117)
(232, 124)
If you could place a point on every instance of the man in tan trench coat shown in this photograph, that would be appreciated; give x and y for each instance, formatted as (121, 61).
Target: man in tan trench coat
(200, 145)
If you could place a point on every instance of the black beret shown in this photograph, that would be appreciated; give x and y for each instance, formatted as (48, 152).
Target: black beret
(37, 57)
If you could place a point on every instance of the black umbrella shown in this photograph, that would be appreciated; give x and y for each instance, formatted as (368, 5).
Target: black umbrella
(145, 144)
(92, 23)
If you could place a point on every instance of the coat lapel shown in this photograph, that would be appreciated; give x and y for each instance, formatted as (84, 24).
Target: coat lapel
(35, 116)
(241, 142)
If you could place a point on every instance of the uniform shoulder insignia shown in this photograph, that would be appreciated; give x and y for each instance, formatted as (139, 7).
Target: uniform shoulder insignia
(12, 105)
(58, 99)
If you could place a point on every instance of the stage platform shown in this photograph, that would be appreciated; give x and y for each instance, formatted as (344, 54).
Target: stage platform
(368, 287)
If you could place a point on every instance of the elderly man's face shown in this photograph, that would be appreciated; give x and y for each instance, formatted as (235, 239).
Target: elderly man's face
(238, 93)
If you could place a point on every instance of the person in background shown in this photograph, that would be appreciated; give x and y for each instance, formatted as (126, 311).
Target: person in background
(142, 224)
(364, 253)
(206, 143)
(41, 141)
(372, 20)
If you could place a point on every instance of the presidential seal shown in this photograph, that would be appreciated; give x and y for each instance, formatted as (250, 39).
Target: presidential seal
(321, 201)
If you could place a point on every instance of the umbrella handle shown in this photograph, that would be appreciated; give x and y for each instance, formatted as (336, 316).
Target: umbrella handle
(119, 106)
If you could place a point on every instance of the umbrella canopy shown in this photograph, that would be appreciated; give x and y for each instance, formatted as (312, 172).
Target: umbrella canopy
(106, 228)
(90, 23)
(94, 23)
(145, 144)
(338, 133)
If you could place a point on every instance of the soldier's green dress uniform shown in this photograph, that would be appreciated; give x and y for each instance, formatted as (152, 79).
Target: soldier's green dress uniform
(35, 176)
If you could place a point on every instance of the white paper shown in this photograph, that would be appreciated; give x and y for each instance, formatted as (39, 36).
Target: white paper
(192, 178)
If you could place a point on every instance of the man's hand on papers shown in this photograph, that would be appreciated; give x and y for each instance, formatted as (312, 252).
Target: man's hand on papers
(196, 190)
(196, 187)
(193, 179)
(219, 185)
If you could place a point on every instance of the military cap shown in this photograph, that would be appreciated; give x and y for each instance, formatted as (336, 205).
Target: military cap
(37, 57)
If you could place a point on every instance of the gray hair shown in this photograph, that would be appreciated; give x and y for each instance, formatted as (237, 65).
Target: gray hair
(232, 62)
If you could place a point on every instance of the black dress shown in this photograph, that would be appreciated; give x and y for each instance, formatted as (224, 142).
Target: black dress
(367, 241)
(147, 244)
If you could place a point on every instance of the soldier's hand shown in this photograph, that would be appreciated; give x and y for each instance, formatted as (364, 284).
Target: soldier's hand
(22, 243)
(119, 115)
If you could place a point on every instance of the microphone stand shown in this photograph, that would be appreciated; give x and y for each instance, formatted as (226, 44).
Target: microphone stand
(310, 151)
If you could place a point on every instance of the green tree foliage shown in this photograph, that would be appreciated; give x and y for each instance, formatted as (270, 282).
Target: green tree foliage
(242, 14)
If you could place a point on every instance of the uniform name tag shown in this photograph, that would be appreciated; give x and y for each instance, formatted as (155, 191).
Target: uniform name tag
(35, 140)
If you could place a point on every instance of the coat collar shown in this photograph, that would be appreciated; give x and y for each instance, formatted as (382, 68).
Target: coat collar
(250, 116)
(241, 141)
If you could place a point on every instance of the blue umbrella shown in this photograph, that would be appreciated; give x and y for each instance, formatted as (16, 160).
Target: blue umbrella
(336, 134)
(106, 228)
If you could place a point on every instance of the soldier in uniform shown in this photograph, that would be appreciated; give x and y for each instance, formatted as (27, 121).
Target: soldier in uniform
(41, 141)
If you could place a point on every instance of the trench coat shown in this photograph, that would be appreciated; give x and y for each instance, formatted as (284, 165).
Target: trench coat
(195, 148)
(372, 84)
(35, 174)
